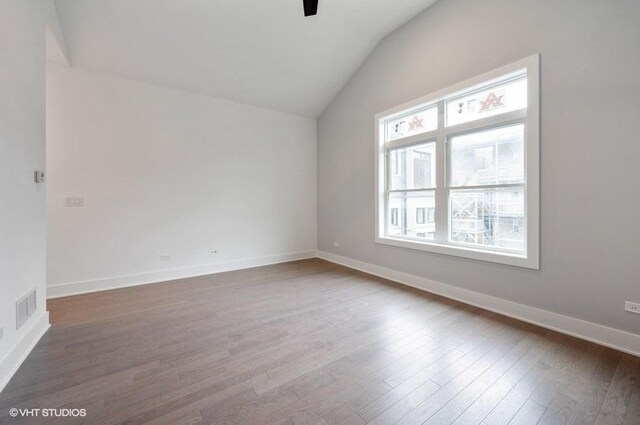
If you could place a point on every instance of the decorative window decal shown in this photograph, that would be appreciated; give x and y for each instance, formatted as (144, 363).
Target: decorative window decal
(416, 123)
(412, 123)
(492, 101)
(509, 96)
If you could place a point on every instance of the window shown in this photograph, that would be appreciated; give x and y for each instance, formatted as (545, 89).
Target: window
(457, 171)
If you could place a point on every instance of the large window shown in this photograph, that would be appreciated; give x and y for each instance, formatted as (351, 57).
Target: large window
(457, 171)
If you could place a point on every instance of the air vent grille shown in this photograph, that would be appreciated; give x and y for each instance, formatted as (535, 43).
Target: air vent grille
(25, 307)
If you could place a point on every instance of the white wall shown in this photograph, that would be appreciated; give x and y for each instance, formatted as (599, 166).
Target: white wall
(590, 160)
(170, 172)
(22, 150)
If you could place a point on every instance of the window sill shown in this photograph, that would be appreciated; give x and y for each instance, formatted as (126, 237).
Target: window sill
(530, 262)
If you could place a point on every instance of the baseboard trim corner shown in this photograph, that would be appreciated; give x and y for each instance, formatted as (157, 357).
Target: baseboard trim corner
(620, 340)
(117, 282)
(18, 354)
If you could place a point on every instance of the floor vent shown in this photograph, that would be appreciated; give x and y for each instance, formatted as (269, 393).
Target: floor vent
(25, 307)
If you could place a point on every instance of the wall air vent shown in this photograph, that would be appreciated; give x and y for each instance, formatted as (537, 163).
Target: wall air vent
(25, 307)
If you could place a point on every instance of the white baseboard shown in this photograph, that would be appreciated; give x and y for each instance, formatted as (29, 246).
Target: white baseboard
(599, 334)
(83, 287)
(10, 364)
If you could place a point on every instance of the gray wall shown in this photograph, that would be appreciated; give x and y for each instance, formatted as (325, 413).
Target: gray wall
(22, 139)
(590, 144)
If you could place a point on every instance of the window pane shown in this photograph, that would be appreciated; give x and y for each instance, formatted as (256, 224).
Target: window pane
(404, 216)
(416, 122)
(497, 100)
(413, 167)
(488, 157)
(488, 218)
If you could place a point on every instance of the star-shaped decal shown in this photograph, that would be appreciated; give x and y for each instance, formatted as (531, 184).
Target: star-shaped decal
(415, 123)
(491, 102)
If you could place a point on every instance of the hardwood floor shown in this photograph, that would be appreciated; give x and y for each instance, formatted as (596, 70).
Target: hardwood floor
(310, 342)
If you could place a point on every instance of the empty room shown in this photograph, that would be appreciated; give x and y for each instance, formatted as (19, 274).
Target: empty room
(320, 212)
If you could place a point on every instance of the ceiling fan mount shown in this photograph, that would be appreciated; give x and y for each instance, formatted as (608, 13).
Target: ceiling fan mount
(310, 7)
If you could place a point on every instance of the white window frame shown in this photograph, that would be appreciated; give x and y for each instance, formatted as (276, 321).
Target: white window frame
(531, 119)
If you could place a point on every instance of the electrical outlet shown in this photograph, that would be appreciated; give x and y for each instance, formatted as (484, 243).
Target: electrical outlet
(73, 201)
(165, 257)
(632, 307)
(336, 244)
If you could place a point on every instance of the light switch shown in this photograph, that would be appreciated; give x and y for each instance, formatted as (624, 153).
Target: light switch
(38, 176)
(73, 201)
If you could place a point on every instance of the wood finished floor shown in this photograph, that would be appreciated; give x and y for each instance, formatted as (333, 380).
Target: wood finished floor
(310, 342)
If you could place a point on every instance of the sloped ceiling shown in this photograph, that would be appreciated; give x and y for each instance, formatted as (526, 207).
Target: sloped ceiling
(259, 52)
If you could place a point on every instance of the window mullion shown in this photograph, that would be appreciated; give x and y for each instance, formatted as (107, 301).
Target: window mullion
(441, 170)
(387, 187)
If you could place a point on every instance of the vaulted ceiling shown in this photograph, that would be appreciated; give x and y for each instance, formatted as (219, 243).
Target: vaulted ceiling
(259, 52)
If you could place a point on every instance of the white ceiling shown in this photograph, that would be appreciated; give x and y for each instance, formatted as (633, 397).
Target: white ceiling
(259, 52)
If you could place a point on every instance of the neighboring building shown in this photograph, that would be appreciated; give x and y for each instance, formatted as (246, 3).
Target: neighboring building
(485, 217)
(412, 214)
